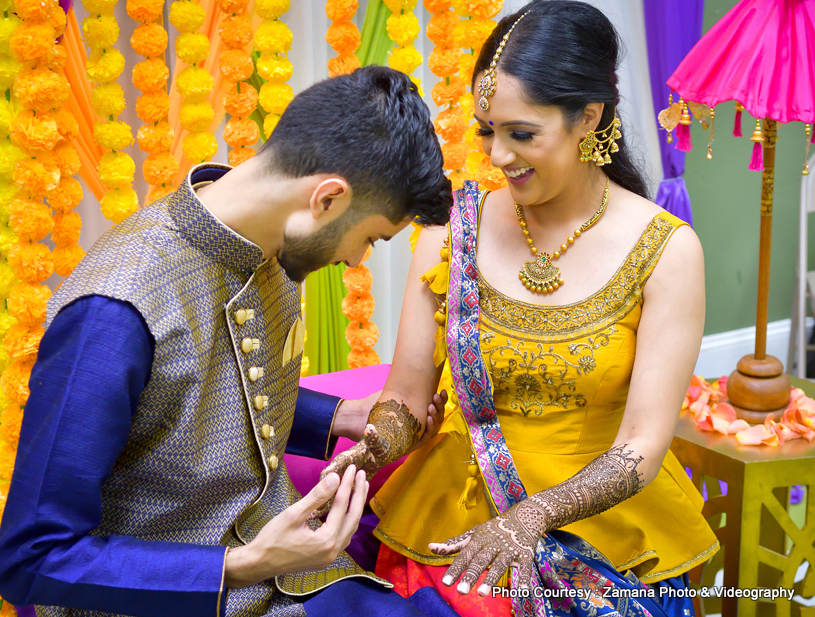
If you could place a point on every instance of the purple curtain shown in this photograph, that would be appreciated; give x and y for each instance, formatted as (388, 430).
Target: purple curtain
(672, 28)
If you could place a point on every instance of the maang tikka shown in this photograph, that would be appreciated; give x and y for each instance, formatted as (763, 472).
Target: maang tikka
(486, 87)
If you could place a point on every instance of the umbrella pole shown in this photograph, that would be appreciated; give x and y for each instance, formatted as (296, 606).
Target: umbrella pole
(759, 386)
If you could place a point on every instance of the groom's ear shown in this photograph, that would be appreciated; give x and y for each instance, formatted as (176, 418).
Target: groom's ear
(330, 198)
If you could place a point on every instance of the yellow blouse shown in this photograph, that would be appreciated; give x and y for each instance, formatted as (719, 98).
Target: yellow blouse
(560, 377)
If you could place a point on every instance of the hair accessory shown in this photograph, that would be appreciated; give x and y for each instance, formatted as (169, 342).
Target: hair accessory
(540, 274)
(486, 87)
(597, 145)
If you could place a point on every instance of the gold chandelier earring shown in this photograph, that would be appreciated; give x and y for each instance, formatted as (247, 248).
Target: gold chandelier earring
(598, 146)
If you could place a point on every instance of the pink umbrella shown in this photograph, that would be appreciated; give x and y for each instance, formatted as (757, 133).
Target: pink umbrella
(762, 55)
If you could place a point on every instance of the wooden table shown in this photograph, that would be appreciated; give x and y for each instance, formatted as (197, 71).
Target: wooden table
(761, 545)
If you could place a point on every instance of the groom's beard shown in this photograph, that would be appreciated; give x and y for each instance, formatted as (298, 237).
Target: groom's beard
(302, 255)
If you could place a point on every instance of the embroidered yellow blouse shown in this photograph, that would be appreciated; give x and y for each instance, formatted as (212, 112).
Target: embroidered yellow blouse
(560, 378)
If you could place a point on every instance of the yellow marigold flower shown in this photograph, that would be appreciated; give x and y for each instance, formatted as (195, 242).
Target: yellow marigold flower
(155, 138)
(66, 196)
(344, 36)
(149, 40)
(151, 75)
(269, 122)
(7, 240)
(397, 6)
(196, 116)
(67, 125)
(14, 382)
(274, 68)
(113, 135)
(31, 262)
(42, 89)
(236, 31)
(9, 155)
(160, 168)
(27, 302)
(108, 100)
(187, 16)
(192, 47)
(271, 9)
(104, 68)
(67, 159)
(466, 64)
(100, 31)
(199, 147)
(32, 131)
(32, 41)
(341, 10)
(8, 110)
(194, 83)
(405, 59)
(241, 132)
(236, 65)
(274, 97)
(343, 64)
(118, 204)
(8, 26)
(239, 155)
(9, 68)
(273, 37)
(100, 7)
(467, 108)
(403, 29)
(30, 220)
(7, 281)
(418, 83)
(66, 258)
(153, 106)
(478, 31)
(117, 169)
(144, 10)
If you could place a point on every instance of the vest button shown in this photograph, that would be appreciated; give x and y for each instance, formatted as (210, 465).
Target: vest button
(240, 317)
(266, 431)
(260, 402)
(246, 345)
(255, 373)
(272, 462)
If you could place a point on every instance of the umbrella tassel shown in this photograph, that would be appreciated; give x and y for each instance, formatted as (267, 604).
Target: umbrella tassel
(683, 142)
(757, 160)
(712, 134)
(808, 130)
(737, 123)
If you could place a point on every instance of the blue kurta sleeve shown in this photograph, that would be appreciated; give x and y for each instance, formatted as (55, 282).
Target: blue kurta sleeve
(311, 429)
(93, 364)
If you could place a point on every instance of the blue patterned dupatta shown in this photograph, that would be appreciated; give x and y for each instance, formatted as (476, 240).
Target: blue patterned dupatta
(571, 577)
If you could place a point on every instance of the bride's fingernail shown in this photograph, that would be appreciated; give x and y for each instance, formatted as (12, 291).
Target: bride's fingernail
(463, 588)
(483, 590)
(447, 580)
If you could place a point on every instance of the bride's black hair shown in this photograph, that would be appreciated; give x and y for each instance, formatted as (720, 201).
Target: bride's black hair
(565, 53)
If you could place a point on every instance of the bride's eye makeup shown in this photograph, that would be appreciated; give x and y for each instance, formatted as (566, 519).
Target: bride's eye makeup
(521, 136)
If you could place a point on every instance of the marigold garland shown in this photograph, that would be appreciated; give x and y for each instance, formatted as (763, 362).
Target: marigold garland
(361, 334)
(273, 41)
(237, 66)
(343, 36)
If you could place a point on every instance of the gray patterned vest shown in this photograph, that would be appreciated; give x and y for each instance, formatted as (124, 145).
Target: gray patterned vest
(196, 467)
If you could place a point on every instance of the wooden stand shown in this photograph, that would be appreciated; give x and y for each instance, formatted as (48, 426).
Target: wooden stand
(758, 386)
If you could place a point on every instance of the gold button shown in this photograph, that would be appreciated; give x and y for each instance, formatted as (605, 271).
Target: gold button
(246, 345)
(266, 431)
(260, 402)
(255, 373)
(273, 462)
(240, 317)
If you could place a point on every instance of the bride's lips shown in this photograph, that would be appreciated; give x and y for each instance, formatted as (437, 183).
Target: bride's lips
(519, 179)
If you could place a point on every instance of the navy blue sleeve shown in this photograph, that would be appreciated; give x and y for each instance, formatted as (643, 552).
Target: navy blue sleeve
(93, 363)
(311, 429)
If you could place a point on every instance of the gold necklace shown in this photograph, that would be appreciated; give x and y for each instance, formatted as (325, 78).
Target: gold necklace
(540, 274)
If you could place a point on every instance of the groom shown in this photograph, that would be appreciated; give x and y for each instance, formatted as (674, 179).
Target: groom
(149, 478)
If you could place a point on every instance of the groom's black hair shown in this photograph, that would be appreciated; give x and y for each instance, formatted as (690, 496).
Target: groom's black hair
(372, 128)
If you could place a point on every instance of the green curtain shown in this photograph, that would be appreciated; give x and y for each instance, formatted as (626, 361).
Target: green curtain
(375, 41)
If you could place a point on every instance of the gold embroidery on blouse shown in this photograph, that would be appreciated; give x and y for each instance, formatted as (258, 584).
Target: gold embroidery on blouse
(574, 321)
(537, 377)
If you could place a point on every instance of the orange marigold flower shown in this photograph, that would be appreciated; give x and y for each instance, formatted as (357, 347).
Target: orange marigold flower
(56, 59)
(10, 423)
(27, 303)
(157, 192)
(33, 41)
(196, 116)
(155, 138)
(239, 155)
(199, 147)
(343, 64)
(35, 177)
(358, 279)
(240, 103)
(455, 155)
(275, 68)
(66, 196)
(14, 383)
(232, 6)
(344, 37)
(67, 159)
(118, 204)
(456, 181)
(275, 97)
(67, 125)
(358, 358)
(187, 16)
(341, 10)
(361, 335)
(192, 47)
(194, 83)
(153, 106)
(236, 31)
(31, 262)
(478, 31)
(23, 340)
(59, 20)
(160, 168)
(35, 10)
(236, 65)
(271, 9)
(241, 132)
(100, 31)
(450, 125)
(34, 132)
(116, 169)
(144, 10)
(484, 8)
(149, 40)
(444, 62)
(30, 220)
(441, 29)
(358, 307)
(66, 259)
(436, 6)
(150, 75)
(448, 94)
